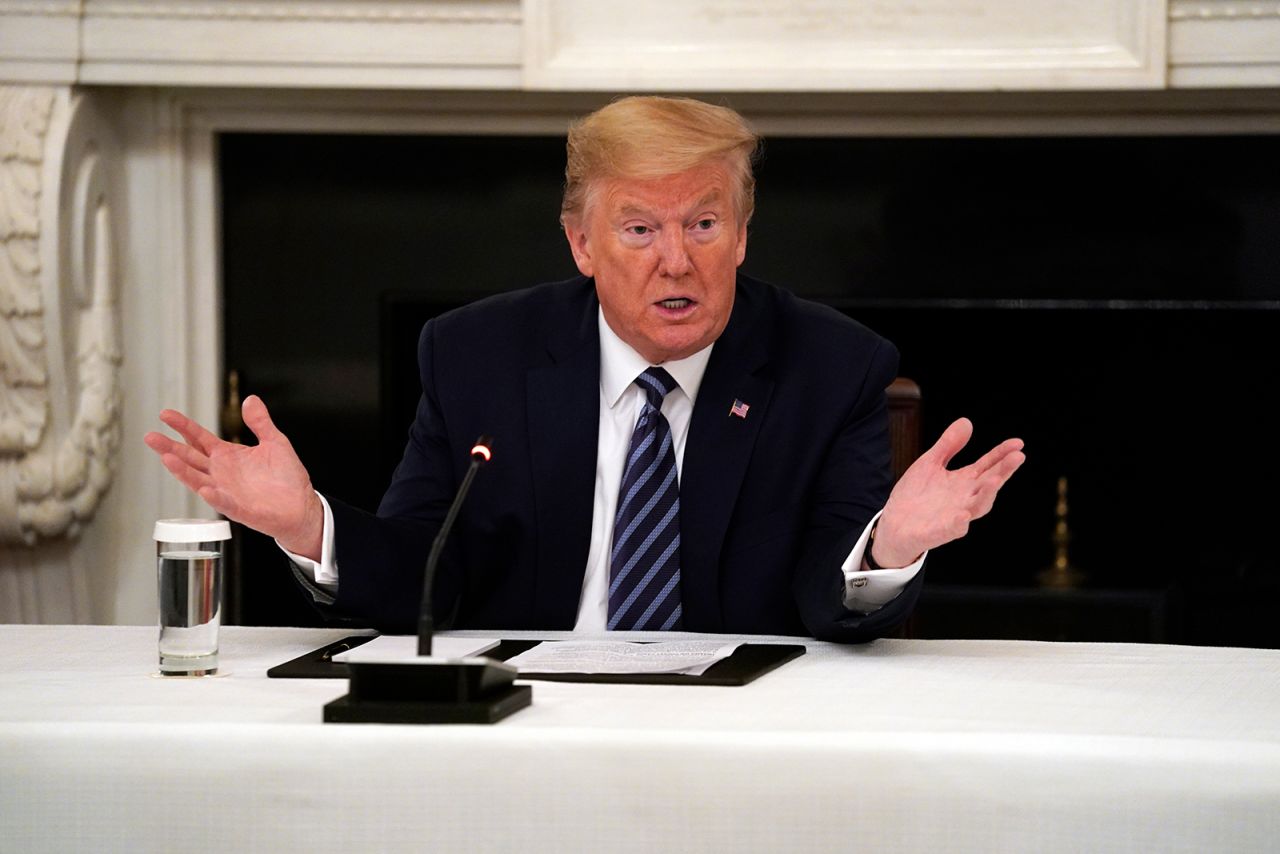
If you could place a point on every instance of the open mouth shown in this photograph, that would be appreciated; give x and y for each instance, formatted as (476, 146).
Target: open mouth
(678, 303)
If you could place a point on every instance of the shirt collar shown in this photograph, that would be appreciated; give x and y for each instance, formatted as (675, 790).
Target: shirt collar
(620, 365)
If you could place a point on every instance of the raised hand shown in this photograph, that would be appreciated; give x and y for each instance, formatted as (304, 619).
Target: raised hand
(932, 505)
(264, 486)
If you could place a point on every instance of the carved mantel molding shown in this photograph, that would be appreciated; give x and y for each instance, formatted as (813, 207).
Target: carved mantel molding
(59, 351)
(701, 45)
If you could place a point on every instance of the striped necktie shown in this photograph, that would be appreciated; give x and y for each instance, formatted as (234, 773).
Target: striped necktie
(644, 577)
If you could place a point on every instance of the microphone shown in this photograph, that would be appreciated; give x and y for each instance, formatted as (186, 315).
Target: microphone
(431, 690)
(481, 453)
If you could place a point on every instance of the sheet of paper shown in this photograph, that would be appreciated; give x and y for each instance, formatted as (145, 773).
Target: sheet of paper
(403, 647)
(687, 657)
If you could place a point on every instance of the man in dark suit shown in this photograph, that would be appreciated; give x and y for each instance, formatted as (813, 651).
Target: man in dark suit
(763, 417)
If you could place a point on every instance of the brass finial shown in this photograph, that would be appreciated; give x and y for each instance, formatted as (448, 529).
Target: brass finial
(1061, 575)
(231, 420)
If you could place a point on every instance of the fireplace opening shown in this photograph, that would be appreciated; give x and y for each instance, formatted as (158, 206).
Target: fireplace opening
(1110, 300)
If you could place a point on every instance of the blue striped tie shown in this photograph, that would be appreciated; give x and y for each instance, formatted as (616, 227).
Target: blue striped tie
(644, 583)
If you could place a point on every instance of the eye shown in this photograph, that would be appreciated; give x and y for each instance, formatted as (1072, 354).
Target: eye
(638, 230)
(705, 224)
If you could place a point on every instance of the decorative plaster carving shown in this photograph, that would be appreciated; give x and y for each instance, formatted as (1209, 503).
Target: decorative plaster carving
(59, 356)
(1210, 11)
(835, 45)
(1224, 43)
(45, 8)
(24, 121)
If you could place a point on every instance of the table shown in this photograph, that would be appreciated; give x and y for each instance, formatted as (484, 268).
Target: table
(895, 745)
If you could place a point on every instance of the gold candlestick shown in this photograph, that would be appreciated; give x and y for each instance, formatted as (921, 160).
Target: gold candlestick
(232, 423)
(1061, 575)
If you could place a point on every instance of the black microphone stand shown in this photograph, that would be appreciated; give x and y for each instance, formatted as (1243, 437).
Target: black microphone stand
(481, 453)
(426, 689)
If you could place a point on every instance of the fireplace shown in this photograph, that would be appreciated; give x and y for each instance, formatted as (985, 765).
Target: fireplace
(1062, 289)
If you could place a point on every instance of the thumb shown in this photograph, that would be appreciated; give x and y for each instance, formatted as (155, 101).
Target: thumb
(256, 418)
(952, 440)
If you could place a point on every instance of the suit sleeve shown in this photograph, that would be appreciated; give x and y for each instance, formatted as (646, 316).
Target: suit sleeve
(853, 485)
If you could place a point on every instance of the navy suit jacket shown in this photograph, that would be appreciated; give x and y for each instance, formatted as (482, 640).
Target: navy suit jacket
(770, 504)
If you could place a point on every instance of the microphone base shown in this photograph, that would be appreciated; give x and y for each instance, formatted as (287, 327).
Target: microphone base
(429, 691)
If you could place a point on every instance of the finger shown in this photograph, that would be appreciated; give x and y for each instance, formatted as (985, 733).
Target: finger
(996, 455)
(982, 507)
(984, 501)
(984, 497)
(191, 457)
(159, 443)
(190, 478)
(196, 436)
(1004, 469)
(999, 474)
(257, 419)
(955, 437)
(162, 445)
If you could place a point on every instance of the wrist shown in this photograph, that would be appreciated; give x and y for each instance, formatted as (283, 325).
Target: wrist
(308, 539)
(890, 558)
(867, 557)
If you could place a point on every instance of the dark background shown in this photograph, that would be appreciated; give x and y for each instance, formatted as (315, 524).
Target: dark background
(1112, 301)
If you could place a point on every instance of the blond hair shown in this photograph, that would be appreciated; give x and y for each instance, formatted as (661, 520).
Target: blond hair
(645, 137)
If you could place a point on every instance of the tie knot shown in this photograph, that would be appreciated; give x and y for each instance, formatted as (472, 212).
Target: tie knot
(656, 383)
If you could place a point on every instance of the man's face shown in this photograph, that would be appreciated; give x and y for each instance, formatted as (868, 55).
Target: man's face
(664, 254)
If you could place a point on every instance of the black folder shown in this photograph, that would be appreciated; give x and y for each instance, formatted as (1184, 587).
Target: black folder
(319, 663)
(748, 662)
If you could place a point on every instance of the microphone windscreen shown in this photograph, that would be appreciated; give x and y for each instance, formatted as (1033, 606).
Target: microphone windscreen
(482, 451)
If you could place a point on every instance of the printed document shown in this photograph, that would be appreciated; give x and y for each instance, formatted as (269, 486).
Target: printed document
(691, 658)
(395, 648)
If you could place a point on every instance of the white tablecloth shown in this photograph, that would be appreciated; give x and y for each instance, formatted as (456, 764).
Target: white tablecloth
(897, 745)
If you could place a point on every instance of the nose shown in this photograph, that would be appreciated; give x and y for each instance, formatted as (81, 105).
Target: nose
(673, 255)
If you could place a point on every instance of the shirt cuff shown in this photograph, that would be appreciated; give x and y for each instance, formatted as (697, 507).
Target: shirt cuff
(867, 591)
(324, 573)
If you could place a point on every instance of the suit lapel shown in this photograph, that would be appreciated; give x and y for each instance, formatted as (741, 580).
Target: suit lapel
(563, 410)
(716, 455)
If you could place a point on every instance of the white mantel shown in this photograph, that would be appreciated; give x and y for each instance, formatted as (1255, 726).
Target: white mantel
(712, 45)
(109, 110)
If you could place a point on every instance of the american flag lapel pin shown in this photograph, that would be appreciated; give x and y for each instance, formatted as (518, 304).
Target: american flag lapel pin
(739, 408)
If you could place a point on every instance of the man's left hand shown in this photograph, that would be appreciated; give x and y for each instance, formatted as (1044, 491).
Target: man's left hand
(932, 505)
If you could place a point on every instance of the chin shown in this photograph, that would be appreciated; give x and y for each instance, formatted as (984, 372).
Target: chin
(673, 352)
(675, 342)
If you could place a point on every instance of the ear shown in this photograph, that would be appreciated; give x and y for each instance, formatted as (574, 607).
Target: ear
(579, 245)
(742, 244)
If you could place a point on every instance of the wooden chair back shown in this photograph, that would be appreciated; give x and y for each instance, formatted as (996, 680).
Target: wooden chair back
(904, 423)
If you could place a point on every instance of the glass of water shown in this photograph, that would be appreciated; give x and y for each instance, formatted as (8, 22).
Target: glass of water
(189, 570)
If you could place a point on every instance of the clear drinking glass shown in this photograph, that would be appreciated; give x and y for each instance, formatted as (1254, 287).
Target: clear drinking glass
(189, 577)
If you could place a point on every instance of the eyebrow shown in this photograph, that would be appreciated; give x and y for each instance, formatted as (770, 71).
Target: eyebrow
(636, 210)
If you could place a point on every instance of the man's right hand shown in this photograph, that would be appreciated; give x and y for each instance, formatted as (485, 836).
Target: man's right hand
(264, 486)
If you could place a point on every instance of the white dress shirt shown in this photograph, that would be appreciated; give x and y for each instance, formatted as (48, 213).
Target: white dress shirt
(621, 401)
